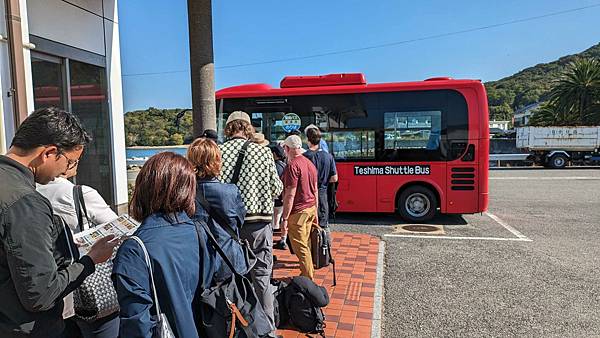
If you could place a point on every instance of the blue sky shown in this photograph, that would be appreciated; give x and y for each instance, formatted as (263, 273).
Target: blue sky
(154, 39)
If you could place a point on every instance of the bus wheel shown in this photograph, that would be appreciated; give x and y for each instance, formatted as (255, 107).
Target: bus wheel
(417, 204)
(558, 161)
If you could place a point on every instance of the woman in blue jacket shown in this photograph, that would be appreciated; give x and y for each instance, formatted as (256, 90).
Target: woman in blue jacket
(163, 201)
(223, 200)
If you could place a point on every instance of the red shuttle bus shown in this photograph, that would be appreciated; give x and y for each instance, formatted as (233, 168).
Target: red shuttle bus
(410, 147)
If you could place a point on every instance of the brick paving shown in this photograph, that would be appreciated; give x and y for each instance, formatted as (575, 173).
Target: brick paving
(350, 310)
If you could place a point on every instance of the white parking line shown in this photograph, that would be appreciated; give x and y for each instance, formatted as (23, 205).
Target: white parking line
(378, 297)
(461, 237)
(507, 227)
(547, 178)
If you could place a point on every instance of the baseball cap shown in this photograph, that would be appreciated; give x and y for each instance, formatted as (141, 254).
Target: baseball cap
(238, 115)
(210, 133)
(293, 141)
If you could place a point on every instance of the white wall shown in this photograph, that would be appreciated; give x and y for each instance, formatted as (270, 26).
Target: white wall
(59, 21)
(115, 100)
(26, 54)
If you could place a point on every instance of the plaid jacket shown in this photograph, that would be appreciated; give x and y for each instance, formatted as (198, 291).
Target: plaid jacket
(259, 183)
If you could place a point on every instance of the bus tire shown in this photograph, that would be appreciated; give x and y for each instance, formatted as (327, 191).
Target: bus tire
(417, 204)
(558, 161)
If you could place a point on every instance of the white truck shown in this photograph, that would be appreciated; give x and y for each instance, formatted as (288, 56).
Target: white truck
(556, 147)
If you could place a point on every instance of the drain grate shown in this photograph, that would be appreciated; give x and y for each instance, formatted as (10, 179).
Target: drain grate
(420, 228)
(429, 229)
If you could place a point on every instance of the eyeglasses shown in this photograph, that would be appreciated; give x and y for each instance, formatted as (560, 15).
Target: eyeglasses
(70, 163)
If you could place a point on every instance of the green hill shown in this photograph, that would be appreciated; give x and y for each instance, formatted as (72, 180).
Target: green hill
(529, 85)
(157, 127)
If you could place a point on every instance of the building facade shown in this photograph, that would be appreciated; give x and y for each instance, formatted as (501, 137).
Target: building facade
(504, 125)
(67, 55)
(523, 115)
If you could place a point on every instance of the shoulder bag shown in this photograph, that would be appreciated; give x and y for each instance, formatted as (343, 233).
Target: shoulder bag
(230, 308)
(161, 328)
(96, 297)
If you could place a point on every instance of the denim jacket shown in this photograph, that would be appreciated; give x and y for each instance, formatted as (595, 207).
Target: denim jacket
(226, 204)
(181, 265)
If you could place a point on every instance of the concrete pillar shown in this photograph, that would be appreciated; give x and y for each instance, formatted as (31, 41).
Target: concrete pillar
(202, 65)
(17, 61)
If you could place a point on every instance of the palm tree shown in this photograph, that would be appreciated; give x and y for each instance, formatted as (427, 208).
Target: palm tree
(549, 115)
(577, 92)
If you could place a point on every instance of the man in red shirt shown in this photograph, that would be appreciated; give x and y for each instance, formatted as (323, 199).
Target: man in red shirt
(300, 199)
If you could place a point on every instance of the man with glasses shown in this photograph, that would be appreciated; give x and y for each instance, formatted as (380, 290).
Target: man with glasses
(32, 285)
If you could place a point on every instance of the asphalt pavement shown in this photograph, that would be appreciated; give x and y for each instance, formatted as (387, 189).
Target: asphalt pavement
(529, 267)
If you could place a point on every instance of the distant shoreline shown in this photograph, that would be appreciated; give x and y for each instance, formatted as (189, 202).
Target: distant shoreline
(158, 147)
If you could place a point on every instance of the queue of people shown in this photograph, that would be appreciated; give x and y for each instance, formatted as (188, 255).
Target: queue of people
(241, 190)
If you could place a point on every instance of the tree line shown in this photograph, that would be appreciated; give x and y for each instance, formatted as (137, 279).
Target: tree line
(157, 127)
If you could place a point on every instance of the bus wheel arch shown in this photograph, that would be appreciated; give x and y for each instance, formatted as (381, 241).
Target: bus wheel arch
(417, 202)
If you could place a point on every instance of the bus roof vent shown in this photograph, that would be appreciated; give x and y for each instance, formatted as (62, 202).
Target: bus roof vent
(439, 78)
(323, 80)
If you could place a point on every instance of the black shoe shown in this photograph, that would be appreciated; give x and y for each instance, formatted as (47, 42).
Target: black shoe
(280, 245)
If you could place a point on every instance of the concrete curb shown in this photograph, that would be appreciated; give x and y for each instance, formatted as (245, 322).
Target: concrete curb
(378, 296)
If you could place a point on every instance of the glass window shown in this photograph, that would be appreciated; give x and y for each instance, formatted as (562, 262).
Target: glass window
(89, 103)
(87, 89)
(48, 89)
(412, 130)
(352, 144)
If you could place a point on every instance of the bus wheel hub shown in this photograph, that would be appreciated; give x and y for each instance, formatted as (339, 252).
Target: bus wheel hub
(417, 205)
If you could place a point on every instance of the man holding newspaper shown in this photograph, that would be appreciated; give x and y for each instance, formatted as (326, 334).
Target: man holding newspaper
(46, 145)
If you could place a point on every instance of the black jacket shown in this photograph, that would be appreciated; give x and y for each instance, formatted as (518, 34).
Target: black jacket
(32, 284)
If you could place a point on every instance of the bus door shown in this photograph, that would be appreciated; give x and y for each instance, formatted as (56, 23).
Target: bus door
(354, 150)
(462, 175)
(357, 190)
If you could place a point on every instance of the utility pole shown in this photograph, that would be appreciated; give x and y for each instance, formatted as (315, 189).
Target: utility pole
(202, 65)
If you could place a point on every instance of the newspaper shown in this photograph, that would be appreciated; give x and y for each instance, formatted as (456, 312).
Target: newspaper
(122, 226)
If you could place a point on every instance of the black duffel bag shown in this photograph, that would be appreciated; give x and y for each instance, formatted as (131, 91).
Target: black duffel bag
(230, 308)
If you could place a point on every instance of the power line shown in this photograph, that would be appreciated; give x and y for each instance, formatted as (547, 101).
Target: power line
(157, 73)
(390, 44)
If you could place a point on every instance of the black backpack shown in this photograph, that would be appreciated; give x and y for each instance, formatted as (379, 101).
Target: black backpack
(301, 305)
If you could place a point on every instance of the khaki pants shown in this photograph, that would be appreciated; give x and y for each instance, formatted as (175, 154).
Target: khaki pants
(299, 226)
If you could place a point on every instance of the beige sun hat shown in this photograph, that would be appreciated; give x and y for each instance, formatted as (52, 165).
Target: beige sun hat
(259, 138)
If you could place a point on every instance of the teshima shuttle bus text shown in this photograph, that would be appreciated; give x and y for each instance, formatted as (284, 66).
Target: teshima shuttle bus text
(413, 147)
